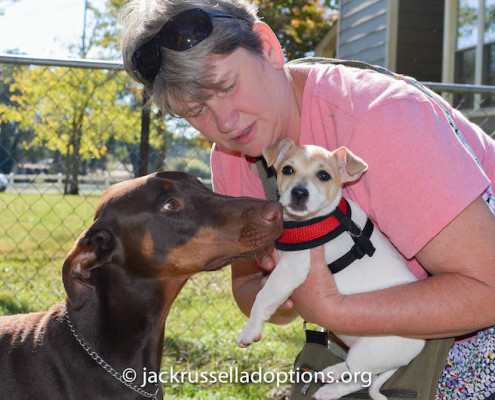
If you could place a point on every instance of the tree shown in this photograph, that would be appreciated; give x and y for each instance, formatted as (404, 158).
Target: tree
(299, 24)
(77, 118)
(10, 134)
(73, 111)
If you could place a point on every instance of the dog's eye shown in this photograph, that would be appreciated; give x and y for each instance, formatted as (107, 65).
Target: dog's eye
(171, 205)
(323, 176)
(287, 170)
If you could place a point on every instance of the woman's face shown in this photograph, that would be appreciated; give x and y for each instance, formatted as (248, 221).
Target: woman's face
(257, 107)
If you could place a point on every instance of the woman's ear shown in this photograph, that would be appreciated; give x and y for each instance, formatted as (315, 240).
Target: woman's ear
(272, 50)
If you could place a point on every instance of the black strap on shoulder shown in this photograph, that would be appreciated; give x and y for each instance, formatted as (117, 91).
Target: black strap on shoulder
(362, 246)
(336, 61)
(268, 179)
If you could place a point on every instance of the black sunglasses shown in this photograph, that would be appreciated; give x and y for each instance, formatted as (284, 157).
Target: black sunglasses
(181, 32)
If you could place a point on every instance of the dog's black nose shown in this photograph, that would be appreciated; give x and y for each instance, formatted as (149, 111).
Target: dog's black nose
(299, 195)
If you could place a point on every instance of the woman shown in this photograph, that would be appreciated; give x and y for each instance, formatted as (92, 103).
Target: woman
(223, 70)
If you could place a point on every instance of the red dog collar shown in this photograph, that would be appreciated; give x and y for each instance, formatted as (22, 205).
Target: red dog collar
(314, 232)
(317, 231)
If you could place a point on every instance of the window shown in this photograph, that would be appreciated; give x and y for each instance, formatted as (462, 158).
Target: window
(475, 49)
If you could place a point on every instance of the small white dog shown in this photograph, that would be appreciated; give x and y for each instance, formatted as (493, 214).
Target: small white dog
(309, 180)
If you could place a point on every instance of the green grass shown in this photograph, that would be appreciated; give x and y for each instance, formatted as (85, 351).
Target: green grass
(37, 231)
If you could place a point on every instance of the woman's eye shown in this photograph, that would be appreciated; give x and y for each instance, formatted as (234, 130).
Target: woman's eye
(231, 87)
(323, 176)
(287, 170)
(171, 205)
(197, 113)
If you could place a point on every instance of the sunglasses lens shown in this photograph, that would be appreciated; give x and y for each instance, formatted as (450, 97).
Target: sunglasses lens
(186, 30)
(180, 33)
(146, 60)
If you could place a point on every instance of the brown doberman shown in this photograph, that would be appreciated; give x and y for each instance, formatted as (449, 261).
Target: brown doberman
(148, 237)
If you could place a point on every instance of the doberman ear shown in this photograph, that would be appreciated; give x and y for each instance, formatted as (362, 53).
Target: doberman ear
(92, 250)
(351, 167)
(275, 153)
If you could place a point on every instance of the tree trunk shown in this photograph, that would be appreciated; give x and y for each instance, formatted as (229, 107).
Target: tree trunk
(145, 137)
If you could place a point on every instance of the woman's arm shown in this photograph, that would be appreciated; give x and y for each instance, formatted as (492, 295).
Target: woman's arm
(457, 299)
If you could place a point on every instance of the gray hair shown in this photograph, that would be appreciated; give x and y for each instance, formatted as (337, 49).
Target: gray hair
(186, 75)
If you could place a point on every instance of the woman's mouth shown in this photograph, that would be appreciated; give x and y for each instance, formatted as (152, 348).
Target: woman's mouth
(247, 135)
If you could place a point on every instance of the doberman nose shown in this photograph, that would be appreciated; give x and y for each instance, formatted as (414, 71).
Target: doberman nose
(272, 211)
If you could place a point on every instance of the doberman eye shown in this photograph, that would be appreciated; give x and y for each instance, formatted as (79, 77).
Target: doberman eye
(323, 176)
(171, 205)
(287, 170)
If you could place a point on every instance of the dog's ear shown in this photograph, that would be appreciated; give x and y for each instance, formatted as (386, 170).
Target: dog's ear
(92, 250)
(351, 167)
(276, 152)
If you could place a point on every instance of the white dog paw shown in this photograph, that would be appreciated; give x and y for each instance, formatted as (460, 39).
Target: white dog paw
(248, 336)
(325, 393)
(336, 390)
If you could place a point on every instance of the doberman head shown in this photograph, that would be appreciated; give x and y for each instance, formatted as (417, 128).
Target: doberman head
(152, 233)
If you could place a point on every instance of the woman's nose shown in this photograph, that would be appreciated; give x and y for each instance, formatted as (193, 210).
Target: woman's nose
(226, 117)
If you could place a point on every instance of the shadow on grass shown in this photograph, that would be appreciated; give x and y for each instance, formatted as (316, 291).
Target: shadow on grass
(186, 351)
(10, 307)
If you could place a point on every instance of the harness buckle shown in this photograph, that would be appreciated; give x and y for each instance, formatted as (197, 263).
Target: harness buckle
(358, 251)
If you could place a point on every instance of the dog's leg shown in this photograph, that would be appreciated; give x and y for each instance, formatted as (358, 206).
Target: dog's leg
(290, 273)
(337, 390)
(344, 385)
(378, 382)
(341, 381)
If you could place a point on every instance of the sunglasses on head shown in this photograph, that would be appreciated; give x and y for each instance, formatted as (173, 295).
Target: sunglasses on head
(181, 32)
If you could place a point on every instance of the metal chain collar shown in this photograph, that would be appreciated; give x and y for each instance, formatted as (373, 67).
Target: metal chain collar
(95, 356)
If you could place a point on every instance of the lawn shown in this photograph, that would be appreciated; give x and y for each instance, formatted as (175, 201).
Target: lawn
(37, 231)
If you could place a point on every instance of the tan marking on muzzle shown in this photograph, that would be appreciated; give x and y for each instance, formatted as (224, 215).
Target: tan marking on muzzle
(205, 247)
(148, 246)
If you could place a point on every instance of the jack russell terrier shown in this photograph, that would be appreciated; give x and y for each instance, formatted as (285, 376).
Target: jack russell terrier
(309, 180)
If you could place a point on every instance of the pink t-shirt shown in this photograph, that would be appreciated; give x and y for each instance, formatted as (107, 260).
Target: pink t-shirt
(419, 175)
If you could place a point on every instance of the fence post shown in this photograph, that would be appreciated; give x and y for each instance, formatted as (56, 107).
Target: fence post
(60, 183)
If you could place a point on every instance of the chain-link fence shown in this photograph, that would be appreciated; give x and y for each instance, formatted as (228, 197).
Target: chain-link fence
(69, 129)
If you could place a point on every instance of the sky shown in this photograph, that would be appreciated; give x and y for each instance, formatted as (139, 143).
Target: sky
(42, 28)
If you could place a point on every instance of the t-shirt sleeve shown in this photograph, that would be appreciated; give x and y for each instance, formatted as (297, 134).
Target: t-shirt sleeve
(217, 173)
(420, 176)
